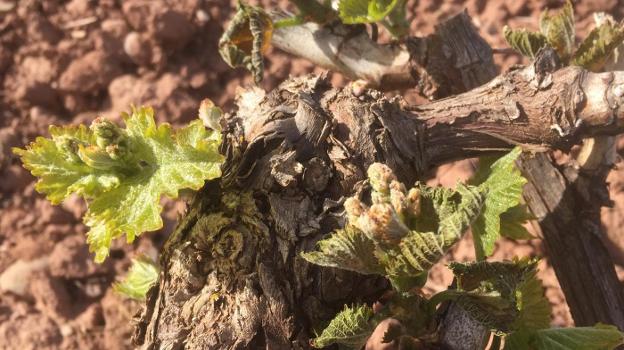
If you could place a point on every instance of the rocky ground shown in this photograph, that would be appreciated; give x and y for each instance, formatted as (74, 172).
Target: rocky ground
(67, 62)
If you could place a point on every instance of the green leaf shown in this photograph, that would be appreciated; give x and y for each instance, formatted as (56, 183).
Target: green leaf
(417, 252)
(599, 337)
(503, 276)
(396, 21)
(122, 173)
(502, 184)
(559, 30)
(351, 328)
(512, 223)
(598, 46)
(523, 305)
(532, 304)
(142, 276)
(365, 11)
(403, 233)
(348, 249)
(526, 42)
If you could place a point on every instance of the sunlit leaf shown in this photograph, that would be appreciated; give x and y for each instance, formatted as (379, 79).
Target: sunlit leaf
(350, 328)
(365, 11)
(348, 249)
(598, 46)
(526, 42)
(142, 275)
(502, 184)
(122, 173)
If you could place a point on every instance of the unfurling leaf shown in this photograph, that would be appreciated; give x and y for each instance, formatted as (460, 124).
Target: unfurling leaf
(599, 337)
(210, 114)
(504, 296)
(122, 173)
(558, 29)
(502, 183)
(598, 46)
(142, 276)
(403, 233)
(246, 38)
(365, 11)
(351, 327)
(526, 42)
(347, 249)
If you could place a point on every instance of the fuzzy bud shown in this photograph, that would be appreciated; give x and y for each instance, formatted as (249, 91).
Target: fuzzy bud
(111, 138)
(398, 201)
(96, 157)
(413, 201)
(210, 114)
(380, 177)
(106, 132)
(382, 224)
(354, 208)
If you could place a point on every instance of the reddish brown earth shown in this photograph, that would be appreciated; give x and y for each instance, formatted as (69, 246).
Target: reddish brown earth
(69, 61)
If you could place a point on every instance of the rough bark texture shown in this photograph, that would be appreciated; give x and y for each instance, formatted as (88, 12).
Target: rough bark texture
(232, 276)
(567, 204)
(567, 200)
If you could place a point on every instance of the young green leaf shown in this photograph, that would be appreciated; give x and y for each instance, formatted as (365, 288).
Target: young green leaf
(365, 11)
(503, 276)
(347, 249)
(598, 46)
(502, 184)
(141, 277)
(526, 42)
(599, 337)
(122, 173)
(504, 296)
(351, 327)
(534, 309)
(512, 223)
(559, 30)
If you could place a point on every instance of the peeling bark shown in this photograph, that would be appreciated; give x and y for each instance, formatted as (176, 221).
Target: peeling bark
(452, 60)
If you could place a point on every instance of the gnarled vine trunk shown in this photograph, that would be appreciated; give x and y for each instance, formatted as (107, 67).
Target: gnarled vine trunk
(231, 272)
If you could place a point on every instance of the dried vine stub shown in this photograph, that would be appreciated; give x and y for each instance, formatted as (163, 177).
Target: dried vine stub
(246, 38)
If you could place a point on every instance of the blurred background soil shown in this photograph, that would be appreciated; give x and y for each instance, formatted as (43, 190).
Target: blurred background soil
(67, 62)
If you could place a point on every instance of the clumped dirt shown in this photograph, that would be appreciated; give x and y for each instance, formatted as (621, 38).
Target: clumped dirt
(70, 61)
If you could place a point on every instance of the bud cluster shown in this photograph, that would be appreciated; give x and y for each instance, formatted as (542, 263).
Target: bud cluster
(387, 219)
(111, 138)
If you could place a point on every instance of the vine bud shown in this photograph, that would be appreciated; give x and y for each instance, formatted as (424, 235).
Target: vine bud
(382, 224)
(398, 198)
(69, 147)
(111, 138)
(413, 201)
(354, 209)
(96, 157)
(380, 177)
(106, 132)
(210, 114)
